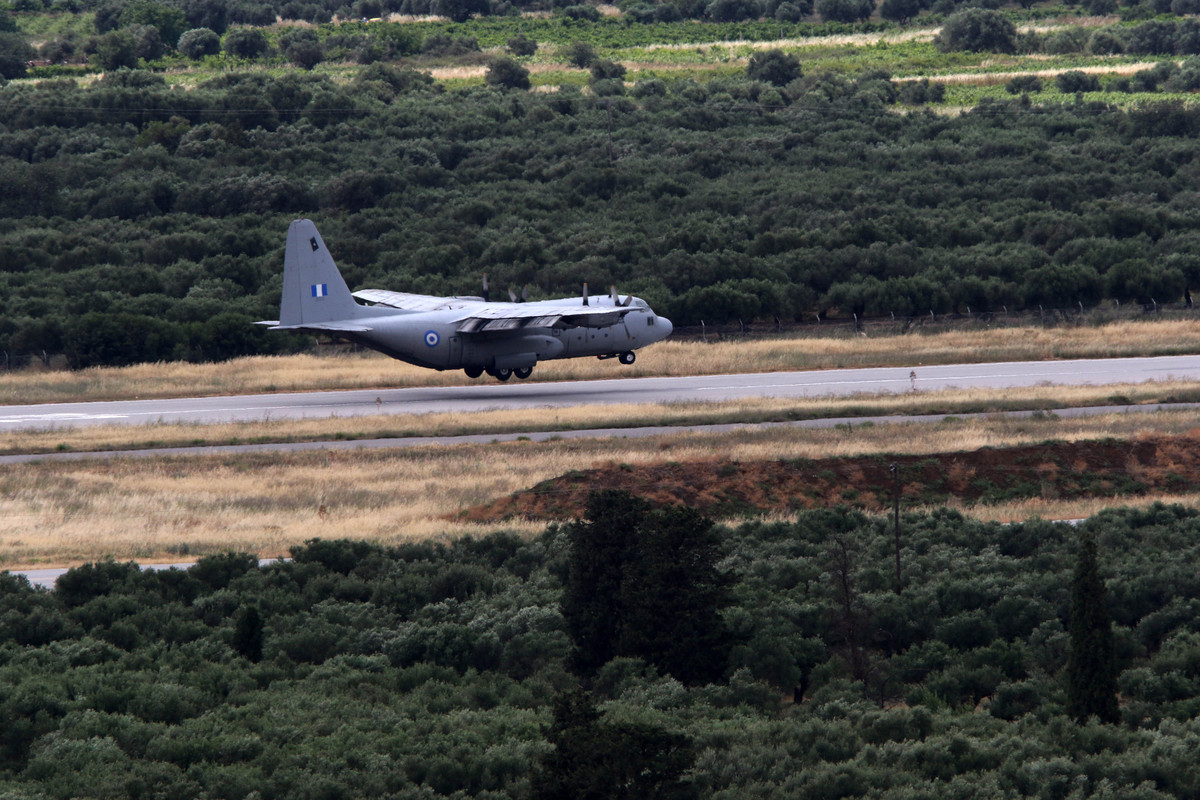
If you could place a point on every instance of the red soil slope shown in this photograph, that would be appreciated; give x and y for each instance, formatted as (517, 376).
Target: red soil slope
(1107, 468)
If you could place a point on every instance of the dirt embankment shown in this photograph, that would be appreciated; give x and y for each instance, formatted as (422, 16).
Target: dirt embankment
(1108, 468)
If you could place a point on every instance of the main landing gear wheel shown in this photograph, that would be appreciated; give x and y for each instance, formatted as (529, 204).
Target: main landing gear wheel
(627, 358)
(523, 372)
(473, 372)
(500, 374)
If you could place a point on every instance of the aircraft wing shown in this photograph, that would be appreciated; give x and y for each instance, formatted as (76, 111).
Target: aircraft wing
(479, 315)
(414, 302)
(509, 316)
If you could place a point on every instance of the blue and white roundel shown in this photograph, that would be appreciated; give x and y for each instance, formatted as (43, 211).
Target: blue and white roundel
(431, 338)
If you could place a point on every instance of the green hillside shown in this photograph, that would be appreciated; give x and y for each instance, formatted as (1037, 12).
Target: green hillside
(145, 222)
(729, 162)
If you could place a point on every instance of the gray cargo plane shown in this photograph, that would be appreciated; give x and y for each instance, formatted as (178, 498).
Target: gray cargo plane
(473, 334)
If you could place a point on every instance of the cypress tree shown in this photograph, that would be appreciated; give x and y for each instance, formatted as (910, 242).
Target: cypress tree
(671, 597)
(248, 634)
(1091, 672)
(599, 550)
(645, 583)
(594, 759)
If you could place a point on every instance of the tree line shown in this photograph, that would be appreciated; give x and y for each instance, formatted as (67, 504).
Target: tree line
(170, 19)
(764, 660)
(144, 222)
(126, 33)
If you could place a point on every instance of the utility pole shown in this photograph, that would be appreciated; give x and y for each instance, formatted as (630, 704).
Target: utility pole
(895, 470)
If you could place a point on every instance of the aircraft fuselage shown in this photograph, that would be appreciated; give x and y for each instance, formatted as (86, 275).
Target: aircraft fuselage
(432, 339)
(468, 333)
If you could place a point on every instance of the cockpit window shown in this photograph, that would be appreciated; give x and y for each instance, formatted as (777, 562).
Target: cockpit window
(640, 303)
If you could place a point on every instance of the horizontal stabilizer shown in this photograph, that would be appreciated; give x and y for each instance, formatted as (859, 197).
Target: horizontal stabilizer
(331, 327)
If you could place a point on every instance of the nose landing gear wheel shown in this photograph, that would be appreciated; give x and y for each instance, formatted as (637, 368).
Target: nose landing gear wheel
(523, 372)
(627, 358)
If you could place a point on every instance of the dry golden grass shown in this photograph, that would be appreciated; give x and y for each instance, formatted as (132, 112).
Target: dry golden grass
(675, 357)
(854, 39)
(995, 78)
(1041, 508)
(458, 72)
(164, 508)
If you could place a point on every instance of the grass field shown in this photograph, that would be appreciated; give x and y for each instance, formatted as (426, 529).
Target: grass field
(168, 508)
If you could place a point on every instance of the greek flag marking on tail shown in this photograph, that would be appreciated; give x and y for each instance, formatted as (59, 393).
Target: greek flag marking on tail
(320, 290)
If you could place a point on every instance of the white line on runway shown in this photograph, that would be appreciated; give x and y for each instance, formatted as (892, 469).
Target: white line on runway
(27, 418)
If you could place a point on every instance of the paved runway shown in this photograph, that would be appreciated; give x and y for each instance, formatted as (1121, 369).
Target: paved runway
(493, 395)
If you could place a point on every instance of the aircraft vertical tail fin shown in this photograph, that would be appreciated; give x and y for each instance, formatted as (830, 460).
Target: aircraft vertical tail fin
(313, 289)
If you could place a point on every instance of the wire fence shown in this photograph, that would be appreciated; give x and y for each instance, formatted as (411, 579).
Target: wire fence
(847, 325)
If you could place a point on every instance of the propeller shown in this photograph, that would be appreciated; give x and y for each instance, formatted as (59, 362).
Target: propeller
(616, 298)
(485, 288)
(585, 294)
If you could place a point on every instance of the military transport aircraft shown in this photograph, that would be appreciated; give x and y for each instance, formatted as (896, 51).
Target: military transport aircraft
(469, 333)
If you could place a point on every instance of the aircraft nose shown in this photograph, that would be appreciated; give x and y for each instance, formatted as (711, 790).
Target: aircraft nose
(666, 325)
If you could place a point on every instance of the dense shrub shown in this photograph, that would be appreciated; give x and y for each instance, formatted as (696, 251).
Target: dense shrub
(442, 669)
(977, 29)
